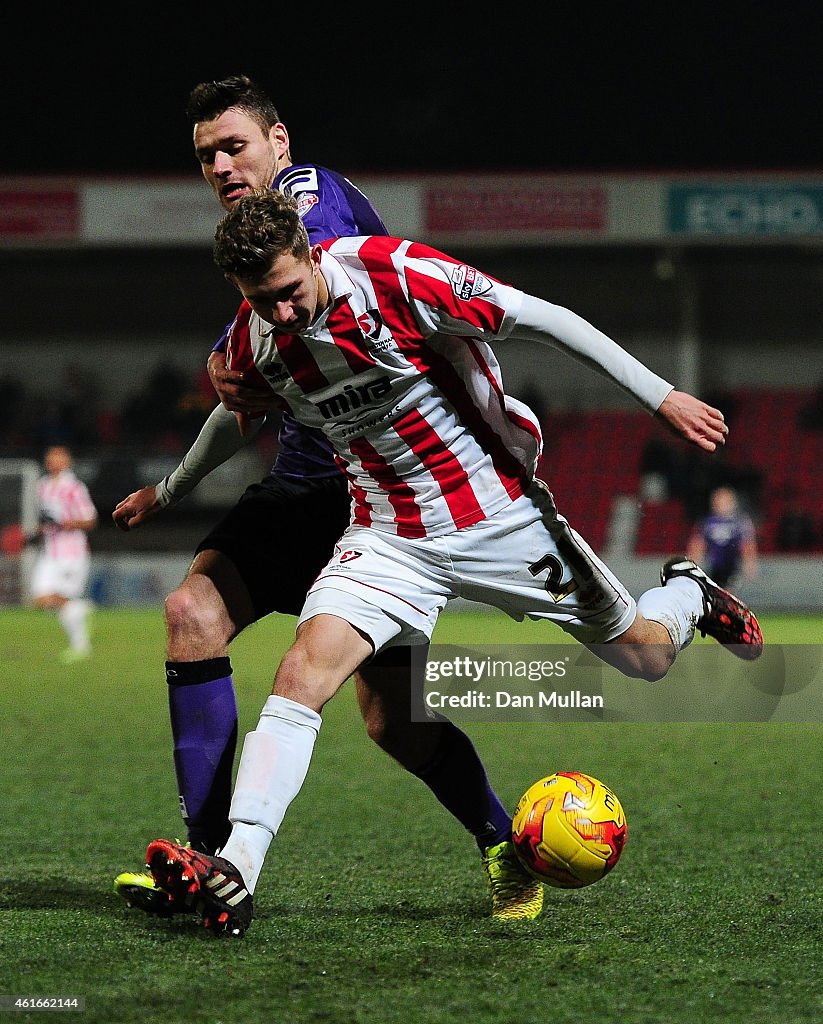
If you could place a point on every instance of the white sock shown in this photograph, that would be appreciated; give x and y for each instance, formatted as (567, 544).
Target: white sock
(73, 617)
(677, 607)
(272, 769)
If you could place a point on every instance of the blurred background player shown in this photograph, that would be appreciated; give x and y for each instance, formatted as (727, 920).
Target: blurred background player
(725, 541)
(265, 554)
(61, 570)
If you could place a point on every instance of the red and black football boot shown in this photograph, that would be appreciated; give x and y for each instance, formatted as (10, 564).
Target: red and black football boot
(210, 886)
(725, 618)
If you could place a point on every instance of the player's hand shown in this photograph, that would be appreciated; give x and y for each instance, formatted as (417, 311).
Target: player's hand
(136, 508)
(245, 423)
(693, 420)
(236, 392)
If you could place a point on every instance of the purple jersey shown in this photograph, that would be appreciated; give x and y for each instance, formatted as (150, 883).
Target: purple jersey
(724, 537)
(330, 206)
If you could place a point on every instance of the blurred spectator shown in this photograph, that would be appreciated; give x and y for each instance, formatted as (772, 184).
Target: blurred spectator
(162, 413)
(197, 402)
(724, 542)
(68, 414)
(78, 403)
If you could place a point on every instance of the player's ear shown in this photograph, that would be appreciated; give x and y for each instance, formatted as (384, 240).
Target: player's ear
(232, 280)
(279, 139)
(315, 254)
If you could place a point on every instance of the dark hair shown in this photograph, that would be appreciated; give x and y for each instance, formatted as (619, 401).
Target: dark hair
(259, 227)
(208, 100)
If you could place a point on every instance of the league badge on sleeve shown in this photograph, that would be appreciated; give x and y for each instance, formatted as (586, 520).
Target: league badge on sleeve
(306, 201)
(468, 282)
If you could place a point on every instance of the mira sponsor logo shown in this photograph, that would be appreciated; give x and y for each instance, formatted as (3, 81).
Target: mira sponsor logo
(353, 397)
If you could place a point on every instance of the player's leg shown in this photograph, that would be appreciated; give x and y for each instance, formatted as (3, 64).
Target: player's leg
(203, 615)
(338, 629)
(723, 617)
(390, 692)
(570, 585)
(668, 615)
(260, 558)
(74, 615)
(411, 586)
(273, 766)
(57, 586)
(74, 618)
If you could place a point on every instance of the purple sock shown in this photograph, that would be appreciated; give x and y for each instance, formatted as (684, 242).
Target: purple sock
(203, 714)
(458, 779)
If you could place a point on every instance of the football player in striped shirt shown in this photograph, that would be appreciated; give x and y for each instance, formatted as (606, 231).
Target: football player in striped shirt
(384, 345)
(267, 551)
(61, 570)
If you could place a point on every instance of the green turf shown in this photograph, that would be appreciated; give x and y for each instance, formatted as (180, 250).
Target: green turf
(372, 906)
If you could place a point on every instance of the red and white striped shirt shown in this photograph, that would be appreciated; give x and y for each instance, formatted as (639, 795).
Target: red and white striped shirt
(398, 374)
(64, 498)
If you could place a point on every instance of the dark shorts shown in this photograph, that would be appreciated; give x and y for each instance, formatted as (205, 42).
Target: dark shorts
(279, 536)
(722, 574)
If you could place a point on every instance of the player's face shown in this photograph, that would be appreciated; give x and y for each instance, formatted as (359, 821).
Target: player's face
(724, 502)
(237, 156)
(291, 295)
(56, 460)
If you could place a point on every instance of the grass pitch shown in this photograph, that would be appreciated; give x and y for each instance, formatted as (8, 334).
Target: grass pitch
(372, 906)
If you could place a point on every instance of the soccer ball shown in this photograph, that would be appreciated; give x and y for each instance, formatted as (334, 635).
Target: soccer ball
(569, 830)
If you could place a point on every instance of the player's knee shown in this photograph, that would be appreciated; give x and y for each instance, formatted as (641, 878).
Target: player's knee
(301, 678)
(188, 613)
(653, 662)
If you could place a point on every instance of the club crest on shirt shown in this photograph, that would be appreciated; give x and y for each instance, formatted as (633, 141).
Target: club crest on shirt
(468, 282)
(349, 555)
(371, 324)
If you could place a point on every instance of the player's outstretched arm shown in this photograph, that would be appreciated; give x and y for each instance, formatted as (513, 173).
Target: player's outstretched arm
(560, 328)
(683, 414)
(693, 420)
(218, 440)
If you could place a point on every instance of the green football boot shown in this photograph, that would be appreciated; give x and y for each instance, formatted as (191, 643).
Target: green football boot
(139, 890)
(516, 896)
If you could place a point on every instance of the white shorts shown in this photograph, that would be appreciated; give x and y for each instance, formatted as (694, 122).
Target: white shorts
(64, 576)
(525, 560)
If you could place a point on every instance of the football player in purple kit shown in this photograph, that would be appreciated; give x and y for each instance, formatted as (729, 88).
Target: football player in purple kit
(725, 541)
(302, 507)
